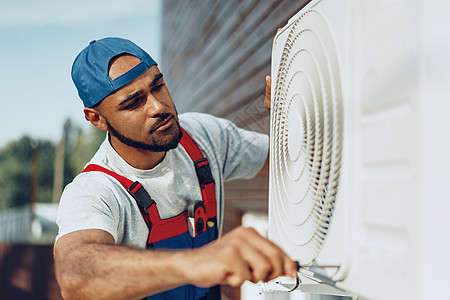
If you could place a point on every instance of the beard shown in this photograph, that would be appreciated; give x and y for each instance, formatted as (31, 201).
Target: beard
(159, 145)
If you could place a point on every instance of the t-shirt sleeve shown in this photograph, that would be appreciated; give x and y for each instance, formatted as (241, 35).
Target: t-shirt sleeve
(82, 207)
(240, 153)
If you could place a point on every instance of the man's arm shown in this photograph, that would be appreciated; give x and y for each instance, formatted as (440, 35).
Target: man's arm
(90, 266)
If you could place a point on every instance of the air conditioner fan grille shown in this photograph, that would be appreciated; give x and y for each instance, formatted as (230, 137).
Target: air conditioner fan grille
(306, 137)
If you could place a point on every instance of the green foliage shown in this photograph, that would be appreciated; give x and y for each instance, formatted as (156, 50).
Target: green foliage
(16, 161)
(15, 174)
(86, 145)
(46, 170)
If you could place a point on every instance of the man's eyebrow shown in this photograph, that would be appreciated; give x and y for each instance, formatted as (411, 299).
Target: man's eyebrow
(156, 79)
(130, 97)
(138, 93)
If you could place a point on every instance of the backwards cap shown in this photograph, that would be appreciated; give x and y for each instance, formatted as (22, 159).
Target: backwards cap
(90, 68)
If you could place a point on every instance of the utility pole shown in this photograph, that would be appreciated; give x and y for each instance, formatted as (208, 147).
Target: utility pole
(34, 172)
(58, 177)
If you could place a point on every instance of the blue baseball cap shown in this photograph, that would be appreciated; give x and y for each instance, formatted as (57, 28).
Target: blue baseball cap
(90, 68)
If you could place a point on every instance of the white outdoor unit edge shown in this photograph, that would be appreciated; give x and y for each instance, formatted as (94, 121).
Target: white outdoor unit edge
(346, 153)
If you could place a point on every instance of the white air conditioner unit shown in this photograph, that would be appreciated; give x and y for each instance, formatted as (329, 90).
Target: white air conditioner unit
(360, 147)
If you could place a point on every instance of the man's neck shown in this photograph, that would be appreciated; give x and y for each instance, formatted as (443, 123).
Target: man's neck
(137, 158)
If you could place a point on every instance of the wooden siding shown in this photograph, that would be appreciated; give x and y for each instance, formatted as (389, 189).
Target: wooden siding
(215, 56)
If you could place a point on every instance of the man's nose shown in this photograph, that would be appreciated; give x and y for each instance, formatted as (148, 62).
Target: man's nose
(154, 106)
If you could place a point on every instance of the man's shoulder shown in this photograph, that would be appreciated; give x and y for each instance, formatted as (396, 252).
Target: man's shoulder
(194, 122)
(92, 183)
(196, 117)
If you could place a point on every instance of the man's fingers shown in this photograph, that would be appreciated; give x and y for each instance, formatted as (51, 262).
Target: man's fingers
(273, 41)
(243, 254)
(277, 258)
(259, 264)
(290, 267)
(266, 259)
(247, 244)
(237, 269)
(267, 96)
(235, 280)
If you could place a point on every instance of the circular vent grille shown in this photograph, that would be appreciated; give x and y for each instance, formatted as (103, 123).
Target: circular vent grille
(306, 138)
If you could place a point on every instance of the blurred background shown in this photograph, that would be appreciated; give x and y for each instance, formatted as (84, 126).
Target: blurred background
(44, 139)
(214, 55)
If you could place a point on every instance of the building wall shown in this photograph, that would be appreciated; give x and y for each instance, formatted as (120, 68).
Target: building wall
(215, 56)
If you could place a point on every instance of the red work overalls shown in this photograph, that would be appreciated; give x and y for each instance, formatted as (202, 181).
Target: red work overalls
(175, 232)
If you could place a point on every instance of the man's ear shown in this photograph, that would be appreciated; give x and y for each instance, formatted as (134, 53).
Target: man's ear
(96, 118)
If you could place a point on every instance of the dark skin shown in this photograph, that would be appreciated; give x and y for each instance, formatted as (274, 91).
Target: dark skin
(88, 263)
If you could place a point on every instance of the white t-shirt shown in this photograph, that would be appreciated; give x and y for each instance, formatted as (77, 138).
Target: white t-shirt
(95, 200)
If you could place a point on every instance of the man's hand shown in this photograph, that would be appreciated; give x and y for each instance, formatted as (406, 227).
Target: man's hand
(240, 255)
(267, 99)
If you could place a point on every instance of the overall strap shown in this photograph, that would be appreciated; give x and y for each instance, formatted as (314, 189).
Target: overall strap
(203, 170)
(145, 203)
(167, 228)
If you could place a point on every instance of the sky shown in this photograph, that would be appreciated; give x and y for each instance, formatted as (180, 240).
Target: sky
(39, 39)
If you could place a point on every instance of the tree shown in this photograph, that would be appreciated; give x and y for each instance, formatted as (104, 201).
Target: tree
(15, 175)
(86, 144)
(16, 164)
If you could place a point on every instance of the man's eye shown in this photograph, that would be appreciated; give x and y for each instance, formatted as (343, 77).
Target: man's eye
(158, 87)
(135, 103)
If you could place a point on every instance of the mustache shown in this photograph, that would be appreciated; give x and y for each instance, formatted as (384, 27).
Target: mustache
(160, 120)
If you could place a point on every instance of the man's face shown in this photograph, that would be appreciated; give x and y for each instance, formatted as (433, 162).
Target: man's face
(141, 114)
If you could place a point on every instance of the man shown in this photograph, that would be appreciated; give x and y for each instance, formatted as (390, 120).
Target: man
(143, 217)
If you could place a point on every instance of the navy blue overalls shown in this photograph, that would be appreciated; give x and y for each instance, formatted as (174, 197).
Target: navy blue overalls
(191, 229)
